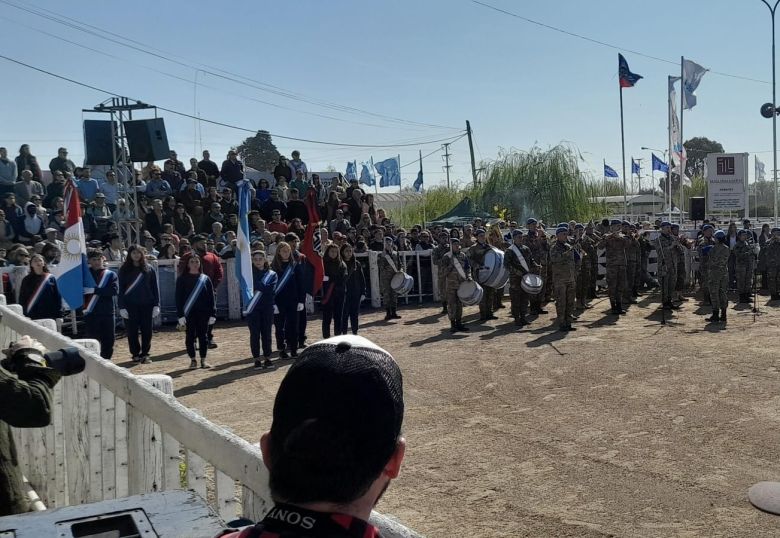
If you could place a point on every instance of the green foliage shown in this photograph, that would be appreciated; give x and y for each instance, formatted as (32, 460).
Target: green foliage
(432, 203)
(259, 152)
(697, 149)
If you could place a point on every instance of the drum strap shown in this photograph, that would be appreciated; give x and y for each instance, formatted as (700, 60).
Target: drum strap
(520, 258)
(459, 268)
(392, 264)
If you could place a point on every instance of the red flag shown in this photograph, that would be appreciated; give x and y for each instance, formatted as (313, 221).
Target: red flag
(311, 241)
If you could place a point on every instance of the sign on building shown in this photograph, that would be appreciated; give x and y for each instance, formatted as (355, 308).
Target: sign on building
(727, 176)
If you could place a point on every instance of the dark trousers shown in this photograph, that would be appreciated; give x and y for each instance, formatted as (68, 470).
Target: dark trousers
(301, 327)
(351, 313)
(197, 328)
(139, 319)
(333, 311)
(101, 327)
(210, 330)
(286, 323)
(260, 323)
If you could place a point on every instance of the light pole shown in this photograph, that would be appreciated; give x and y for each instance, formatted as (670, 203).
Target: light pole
(773, 10)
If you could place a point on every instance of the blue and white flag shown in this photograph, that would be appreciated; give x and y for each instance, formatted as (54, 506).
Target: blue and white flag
(73, 276)
(418, 183)
(390, 172)
(609, 171)
(244, 249)
(692, 75)
(659, 165)
(367, 174)
(635, 167)
(351, 172)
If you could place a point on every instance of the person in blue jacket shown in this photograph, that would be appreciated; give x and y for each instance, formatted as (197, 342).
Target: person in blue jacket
(260, 310)
(139, 302)
(99, 306)
(290, 296)
(355, 288)
(38, 293)
(333, 290)
(196, 308)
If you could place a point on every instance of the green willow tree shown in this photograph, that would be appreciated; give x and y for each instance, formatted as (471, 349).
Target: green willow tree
(259, 152)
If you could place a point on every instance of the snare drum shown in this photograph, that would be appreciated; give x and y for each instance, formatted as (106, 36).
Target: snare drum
(470, 293)
(401, 283)
(493, 274)
(532, 284)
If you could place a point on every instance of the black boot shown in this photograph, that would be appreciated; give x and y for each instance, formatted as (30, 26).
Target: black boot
(444, 308)
(715, 317)
(394, 314)
(462, 328)
(453, 327)
(723, 315)
(388, 314)
(620, 309)
(520, 321)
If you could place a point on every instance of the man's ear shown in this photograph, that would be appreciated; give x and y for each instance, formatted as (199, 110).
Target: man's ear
(265, 449)
(393, 466)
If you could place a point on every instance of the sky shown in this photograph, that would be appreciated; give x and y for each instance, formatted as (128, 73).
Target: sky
(414, 70)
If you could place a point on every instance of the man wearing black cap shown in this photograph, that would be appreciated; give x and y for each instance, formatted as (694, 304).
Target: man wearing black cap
(335, 441)
(477, 259)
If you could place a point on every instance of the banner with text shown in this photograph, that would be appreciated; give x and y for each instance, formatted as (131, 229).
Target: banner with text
(727, 176)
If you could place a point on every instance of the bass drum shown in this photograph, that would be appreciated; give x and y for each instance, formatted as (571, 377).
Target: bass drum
(401, 283)
(532, 284)
(470, 293)
(493, 274)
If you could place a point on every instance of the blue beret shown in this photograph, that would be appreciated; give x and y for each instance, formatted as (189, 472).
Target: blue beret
(665, 223)
(480, 231)
(563, 225)
(720, 234)
(516, 232)
(615, 222)
(454, 240)
(742, 232)
(388, 239)
(625, 223)
(562, 230)
(579, 227)
(531, 221)
(675, 226)
(775, 230)
(707, 227)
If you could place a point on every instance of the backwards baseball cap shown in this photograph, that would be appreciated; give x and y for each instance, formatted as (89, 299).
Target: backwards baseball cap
(339, 407)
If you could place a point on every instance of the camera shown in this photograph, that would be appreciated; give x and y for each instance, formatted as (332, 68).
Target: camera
(66, 361)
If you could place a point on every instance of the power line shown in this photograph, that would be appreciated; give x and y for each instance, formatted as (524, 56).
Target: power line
(222, 124)
(128, 42)
(603, 43)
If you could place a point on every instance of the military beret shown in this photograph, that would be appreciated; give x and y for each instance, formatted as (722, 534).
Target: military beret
(579, 227)
(563, 225)
(615, 222)
(742, 232)
(625, 223)
(562, 230)
(454, 240)
(388, 239)
(707, 227)
(516, 232)
(720, 234)
(675, 226)
(665, 223)
(480, 231)
(531, 221)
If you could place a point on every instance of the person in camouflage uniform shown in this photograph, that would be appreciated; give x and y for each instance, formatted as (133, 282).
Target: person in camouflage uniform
(667, 264)
(518, 260)
(633, 257)
(477, 254)
(593, 258)
(682, 246)
(772, 260)
(706, 240)
(584, 245)
(389, 263)
(744, 262)
(496, 240)
(563, 266)
(456, 271)
(536, 241)
(615, 244)
(438, 253)
(718, 276)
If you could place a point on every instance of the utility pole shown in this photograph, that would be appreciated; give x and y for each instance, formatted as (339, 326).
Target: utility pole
(471, 151)
(447, 164)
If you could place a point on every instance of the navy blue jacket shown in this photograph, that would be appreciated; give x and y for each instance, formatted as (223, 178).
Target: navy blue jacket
(49, 302)
(356, 280)
(204, 304)
(145, 293)
(105, 295)
(268, 298)
(294, 291)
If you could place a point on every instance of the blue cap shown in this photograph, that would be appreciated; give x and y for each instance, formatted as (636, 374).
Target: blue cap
(625, 223)
(388, 239)
(615, 222)
(665, 223)
(579, 226)
(562, 230)
(675, 226)
(563, 225)
(720, 234)
(480, 231)
(516, 232)
(531, 221)
(454, 240)
(707, 227)
(742, 232)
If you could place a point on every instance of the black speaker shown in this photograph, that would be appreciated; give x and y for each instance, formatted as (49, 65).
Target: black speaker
(147, 140)
(97, 142)
(697, 208)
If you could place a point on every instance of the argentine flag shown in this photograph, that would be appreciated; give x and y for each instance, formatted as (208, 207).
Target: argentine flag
(73, 276)
(244, 252)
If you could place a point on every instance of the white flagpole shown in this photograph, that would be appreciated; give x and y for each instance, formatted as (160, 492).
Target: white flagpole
(682, 138)
(669, 140)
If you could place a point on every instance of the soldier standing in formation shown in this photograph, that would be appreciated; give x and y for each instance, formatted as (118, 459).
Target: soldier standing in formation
(477, 254)
(585, 280)
(744, 263)
(455, 266)
(615, 244)
(667, 265)
(633, 257)
(772, 260)
(705, 241)
(519, 261)
(564, 270)
(537, 243)
(680, 248)
(718, 277)
(438, 253)
(389, 263)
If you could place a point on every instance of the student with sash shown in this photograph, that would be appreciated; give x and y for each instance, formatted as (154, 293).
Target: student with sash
(290, 295)
(38, 293)
(355, 288)
(260, 310)
(211, 266)
(333, 291)
(196, 308)
(99, 306)
(307, 278)
(139, 302)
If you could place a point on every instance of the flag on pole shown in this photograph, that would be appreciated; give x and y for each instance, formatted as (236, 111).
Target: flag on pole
(367, 174)
(627, 78)
(73, 276)
(389, 171)
(351, 172)
(685, 179)
(244, 252)
(311, 241)
(609, 171)
(675, 141)
(635, 167)
(760, 170)
(418, 183)
(692, 73)
(659, 165)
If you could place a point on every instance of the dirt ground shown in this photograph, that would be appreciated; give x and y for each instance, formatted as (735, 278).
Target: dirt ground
(622, 428)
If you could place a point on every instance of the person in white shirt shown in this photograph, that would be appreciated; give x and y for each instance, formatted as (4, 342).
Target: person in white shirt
(111, 189)
(297, 165)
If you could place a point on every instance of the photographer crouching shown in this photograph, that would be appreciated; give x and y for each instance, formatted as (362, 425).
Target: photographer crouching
(27, 377)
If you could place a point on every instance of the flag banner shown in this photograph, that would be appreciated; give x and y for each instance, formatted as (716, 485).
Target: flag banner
(609, 172)
(418, 183)
(389, 171)
(312, 242)
(73, 276)
(627, 78)
(692, 75)
(351, 172)
(686, 179)
(635, 169)
(367, 174)
(244, 249)
(675, 141)
(659, 165)
(760, 170)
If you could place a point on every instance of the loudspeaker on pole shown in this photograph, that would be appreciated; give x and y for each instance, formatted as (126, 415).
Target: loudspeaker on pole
(147, 140)
(698, 210)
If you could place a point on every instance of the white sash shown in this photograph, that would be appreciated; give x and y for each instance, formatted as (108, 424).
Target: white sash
(458, 267)
(285, 278)
(135, 283)
(259, 294)
(38, 291)
(390, 261)
(520, 257)
(200, 285)
(104, 278)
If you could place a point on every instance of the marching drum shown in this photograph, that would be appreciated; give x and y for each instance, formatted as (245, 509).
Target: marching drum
(493, 274)
(532, 284)
(402, 283)
(469, 293)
